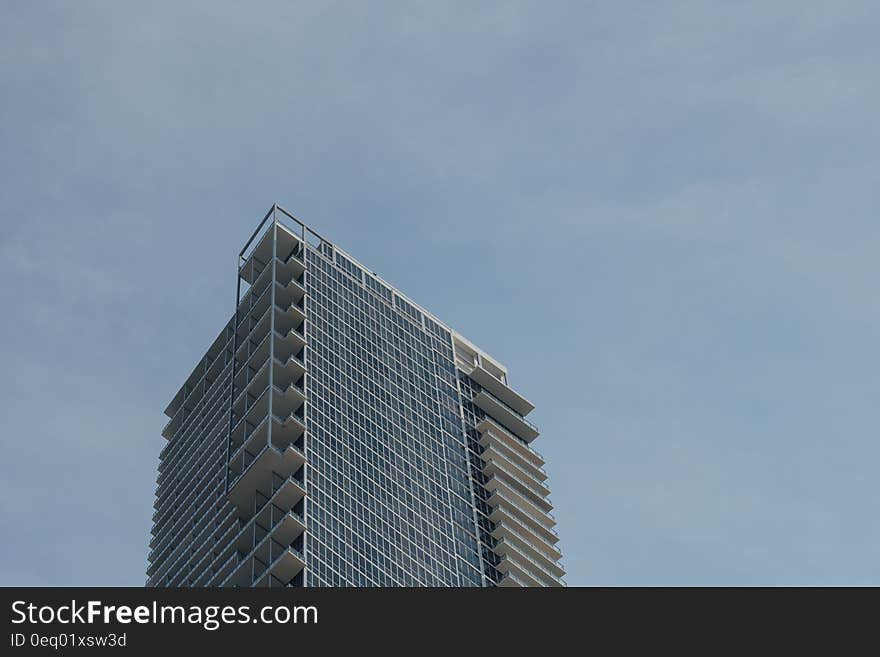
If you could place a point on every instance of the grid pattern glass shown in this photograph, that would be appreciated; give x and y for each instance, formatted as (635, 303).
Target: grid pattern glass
(390, 499)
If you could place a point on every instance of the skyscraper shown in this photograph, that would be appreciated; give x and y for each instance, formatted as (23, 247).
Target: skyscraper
(337, 434)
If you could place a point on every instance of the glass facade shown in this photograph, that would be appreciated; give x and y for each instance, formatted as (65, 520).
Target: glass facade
(388, 487)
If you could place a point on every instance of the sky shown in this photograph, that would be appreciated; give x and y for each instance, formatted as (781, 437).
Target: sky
(661, 216)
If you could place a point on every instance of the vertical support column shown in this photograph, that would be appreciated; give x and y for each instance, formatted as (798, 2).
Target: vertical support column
(232, 376)
(306, 350)
(272, 320)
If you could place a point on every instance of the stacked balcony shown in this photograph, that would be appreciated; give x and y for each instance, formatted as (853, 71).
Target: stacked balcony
(190, 483)
(508, 416)
(265, 476)
(230, 500)
(515, 481)
(267, 548)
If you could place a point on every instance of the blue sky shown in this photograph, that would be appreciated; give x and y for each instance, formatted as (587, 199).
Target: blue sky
(661, 216)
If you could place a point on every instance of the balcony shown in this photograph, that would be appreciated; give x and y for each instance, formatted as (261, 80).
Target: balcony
(188, 562)
(277, 554)
(288, 256)
(524, 484)
(503, 495)
(499, 451)
(294, 364)
(492, 433)
(254, 340)
(498, 461)
(506, 415)
(256, 472)
(289, 327)
(287, 493)
(176, 523)
(528, 526)
(179, 466)
(510, 483)
(521, 536)
(254, 380)
(523, 573)
(284, 565)
(546, 572)
(510, 580)
(501, 390)
(252, 426)
(284, 526)
(294, 339)
(289, 295)
(251, 309)
(287, 290)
